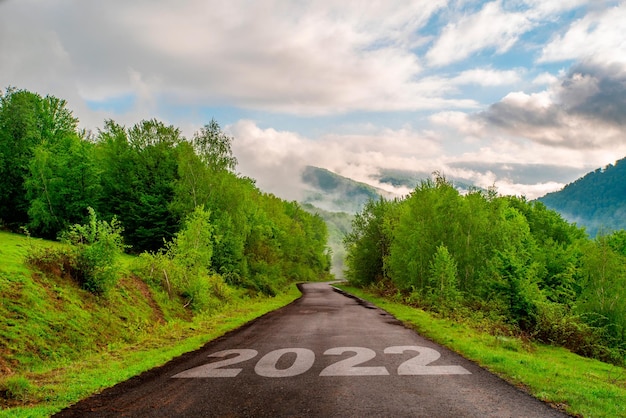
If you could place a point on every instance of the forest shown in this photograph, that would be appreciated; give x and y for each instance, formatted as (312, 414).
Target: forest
(198, 227)
(510, 265)
(596, 201)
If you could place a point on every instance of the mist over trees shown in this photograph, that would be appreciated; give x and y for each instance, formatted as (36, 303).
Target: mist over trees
(160, 188)
(514, 263)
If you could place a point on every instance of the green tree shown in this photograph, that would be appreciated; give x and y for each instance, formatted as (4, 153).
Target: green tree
(139, 169)
(62, 182)
(26, 121)
(443, 283)
(367, 244)
(603, 298)
(214, 147)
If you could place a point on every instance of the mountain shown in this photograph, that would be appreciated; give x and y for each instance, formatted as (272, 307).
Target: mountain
(335, 193)
(596, 201)
(410, 179)
(339, 224)
(332, 192)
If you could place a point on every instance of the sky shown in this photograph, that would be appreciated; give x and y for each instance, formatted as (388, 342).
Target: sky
(524, 95)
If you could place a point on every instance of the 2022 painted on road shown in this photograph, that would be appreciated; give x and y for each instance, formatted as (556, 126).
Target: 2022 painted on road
(304, 359)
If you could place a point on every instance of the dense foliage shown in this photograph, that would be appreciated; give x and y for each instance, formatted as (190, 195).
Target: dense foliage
(505, 258)
(596, 201)
(175, 199)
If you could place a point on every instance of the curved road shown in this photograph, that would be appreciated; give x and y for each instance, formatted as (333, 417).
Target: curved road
(325, 355)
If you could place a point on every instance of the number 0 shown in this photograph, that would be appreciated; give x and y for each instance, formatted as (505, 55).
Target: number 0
(266, 367)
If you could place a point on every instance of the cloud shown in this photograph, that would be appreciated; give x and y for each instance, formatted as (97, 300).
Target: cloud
(487, 77)
(306, 58)
(597, 36)
(491, 27)
(586, 109)
(276, 158)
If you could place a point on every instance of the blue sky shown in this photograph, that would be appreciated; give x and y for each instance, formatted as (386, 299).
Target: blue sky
(526, 95)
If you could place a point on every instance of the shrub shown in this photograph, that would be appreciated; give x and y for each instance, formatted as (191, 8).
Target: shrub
(90, 257)
(57, 262)
(183, 268)
(97, 246)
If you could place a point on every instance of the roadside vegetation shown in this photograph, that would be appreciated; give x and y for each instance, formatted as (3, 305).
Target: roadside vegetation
(505, 266)
(60, 342)
(574, 384)
(156, 238)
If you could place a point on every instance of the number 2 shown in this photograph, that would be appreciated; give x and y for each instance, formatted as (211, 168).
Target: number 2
(214, 369)
(347, 367)
(419, 365)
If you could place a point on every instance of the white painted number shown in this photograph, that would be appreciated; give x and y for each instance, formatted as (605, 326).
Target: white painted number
(347, 367)
(274, 365)
(304, 360)
(214, 369)
(419, 365)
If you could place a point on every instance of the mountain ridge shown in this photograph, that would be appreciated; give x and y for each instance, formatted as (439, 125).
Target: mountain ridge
(596, 200)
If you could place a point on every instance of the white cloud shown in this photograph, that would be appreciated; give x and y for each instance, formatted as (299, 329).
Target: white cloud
(598, 36)
(491, 27)
(277, 158)
(545, 79)
(543, 8)
(283, 56)
(487, 77)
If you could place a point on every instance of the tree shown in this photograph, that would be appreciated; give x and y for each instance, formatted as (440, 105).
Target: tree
(368, 243)
(26, 121)
(443, 278)
(62, 182)
(139, 170)
(603, 298)
(214, 147)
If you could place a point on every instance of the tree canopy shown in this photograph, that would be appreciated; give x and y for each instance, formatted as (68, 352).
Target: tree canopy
(158, 188)
(501, 255)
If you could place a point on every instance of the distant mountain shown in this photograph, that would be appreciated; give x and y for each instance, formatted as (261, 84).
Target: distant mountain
(596, 201)
(335, 193)
(339, 225)
(332, 192)
(410, 179)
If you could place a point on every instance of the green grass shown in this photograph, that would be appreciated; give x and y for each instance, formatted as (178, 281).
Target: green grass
(59, 343)
(577, 385)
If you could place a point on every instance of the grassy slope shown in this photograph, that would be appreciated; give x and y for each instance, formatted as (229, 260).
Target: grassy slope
(580, 386)
(59, 343)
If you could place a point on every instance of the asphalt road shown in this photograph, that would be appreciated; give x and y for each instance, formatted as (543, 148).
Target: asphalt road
(325, 355)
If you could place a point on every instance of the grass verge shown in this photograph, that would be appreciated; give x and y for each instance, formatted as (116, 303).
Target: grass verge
(58, 387)
(60, 343)
(576, 385)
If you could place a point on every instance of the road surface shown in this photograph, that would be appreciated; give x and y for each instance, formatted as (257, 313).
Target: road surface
(325, 355)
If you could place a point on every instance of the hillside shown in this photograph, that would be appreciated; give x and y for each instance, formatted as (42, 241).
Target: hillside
(336, 193)
(410, 179)
(339, 224)
(60, 343)
(596, 201)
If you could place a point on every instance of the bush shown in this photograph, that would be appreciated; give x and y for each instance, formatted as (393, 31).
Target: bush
(57, 262)
(97, 246)
(556, 325)
(90, 258)
(183, 268)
